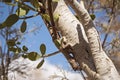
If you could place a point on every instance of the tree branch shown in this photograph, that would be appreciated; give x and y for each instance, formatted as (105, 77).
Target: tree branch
(51, 54)
(90, 5)
(107, 32)
(52, 19)
(27, 6)
(27, 17)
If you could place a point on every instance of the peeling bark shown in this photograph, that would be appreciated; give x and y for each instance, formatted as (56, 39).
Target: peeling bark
(105, 67)
(74, 32)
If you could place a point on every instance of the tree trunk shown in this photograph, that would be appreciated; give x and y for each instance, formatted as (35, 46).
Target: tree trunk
(74, 32)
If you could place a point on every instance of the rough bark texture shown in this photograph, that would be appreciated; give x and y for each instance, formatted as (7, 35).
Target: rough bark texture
(73, 30)
(105, 67)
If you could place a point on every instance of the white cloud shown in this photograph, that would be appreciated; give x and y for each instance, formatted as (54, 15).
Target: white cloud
(24, 69)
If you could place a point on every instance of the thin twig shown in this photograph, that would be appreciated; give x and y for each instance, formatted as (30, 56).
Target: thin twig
(107, 32)
(90, 5)
(27, 6)
(51, 54)
(27, 17)
(109, 25)
(83, 75)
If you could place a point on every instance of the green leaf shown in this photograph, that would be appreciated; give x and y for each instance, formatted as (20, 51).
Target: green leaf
(55, 0)
(15, 50)
(23, 27)
(24, 55)
(18, 50)
(18, 43)
(57, 43)
(40, 64)
(35, 3)
(25, 48)
(11, 42)
(33, 56)
(92, 16)
(2, 26)
(46, 17)
(21, 12)
(56, 17)
(12, 19)
(43, 49)
(12, 49)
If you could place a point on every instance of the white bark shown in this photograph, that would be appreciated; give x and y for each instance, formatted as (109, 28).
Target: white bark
(73, 30)
(103, 64)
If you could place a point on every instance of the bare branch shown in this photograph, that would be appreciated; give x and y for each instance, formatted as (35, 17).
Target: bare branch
(109, 25)
(90, 5)
(107, 32)
(51, 54)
